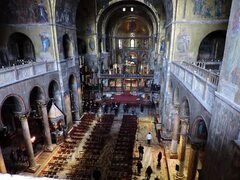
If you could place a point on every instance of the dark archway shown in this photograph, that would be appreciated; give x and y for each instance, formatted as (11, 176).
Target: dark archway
(212, 46)
(54, 93)
(35, 119)
(20, 50)
(67, 47)
(185, 110)
(10, 129)
(82, 46)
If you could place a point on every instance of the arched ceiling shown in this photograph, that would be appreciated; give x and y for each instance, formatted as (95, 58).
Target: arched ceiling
(132, 25)
(114, 15)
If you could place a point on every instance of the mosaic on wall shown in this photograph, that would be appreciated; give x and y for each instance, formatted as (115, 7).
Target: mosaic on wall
(156, 3)
(231, 65)
(23, 11)
(65, 11)
(214, 8)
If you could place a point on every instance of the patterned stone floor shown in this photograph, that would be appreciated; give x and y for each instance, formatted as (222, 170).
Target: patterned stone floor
(146, 125)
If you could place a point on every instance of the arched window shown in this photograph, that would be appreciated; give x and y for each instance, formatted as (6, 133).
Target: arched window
(132, 43)
(20, 50)
(120, 43)
(67, 47)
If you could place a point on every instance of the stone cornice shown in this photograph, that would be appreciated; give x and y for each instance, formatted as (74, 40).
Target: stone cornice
(215, 21)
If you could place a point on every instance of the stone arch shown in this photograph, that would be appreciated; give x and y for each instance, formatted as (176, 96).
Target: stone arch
(67, 46)
(36, 94)
(20, 49)
(11, 104)
(54, 93)
(185, 108)
(35, 119)
(199, 129)
(212, 46)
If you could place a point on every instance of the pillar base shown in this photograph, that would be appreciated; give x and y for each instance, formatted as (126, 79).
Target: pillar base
(179, 177)
(33, 169)
(173, 155)
(48, 149)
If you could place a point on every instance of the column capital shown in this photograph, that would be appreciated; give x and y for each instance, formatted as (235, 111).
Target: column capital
(42, 102)
(177, 106)
(21, 115)
(197, 143)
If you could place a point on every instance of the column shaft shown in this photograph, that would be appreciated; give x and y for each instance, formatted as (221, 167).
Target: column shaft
(47, 133)
(27, 139)
(2, 164)
(76, 107)
(193, 162)
(174, 143)
(182, 149)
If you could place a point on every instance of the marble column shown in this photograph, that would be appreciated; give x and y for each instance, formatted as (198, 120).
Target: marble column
(75, 105)
(2, 164)
(47, 134)
(80, 101)
(175, 134)
(182, 149)
(27, 138)
(193, 161)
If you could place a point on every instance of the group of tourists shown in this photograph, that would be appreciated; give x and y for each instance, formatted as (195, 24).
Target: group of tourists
(19, 156)
(139, 165)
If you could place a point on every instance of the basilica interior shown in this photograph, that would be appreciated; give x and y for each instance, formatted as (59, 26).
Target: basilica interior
(84, 82)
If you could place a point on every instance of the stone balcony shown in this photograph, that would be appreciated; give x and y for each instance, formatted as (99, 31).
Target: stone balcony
(18, 73)
(200, 82)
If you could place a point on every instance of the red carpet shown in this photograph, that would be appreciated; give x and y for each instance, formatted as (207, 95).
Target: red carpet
(126, 98)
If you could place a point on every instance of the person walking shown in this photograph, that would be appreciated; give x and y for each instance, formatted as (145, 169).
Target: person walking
(149, 138)
(141, 151)
(96, 174)
(148, 172)
(159, 159)
(19, 154)
(13, 157)
(139, 167)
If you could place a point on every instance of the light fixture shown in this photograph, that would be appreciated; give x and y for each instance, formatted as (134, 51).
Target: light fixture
(132, 9)
(33, 139)
(124, 9)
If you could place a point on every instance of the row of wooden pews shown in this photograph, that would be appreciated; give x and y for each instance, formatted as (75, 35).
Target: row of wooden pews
(68, 147)
(121, 164)
(92, 149)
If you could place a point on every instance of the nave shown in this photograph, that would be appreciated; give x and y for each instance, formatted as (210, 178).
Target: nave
(110, 144)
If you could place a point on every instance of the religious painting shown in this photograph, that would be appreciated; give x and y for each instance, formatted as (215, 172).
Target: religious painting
(88, 30)
(91, 44)
(42, 13)
(45, 41)
(183, 41)
(65, 12)
(217, 8)
(27, 11)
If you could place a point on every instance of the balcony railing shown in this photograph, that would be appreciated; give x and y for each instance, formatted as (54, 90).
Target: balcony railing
(201, 82)
(213, 66)
(14, 74)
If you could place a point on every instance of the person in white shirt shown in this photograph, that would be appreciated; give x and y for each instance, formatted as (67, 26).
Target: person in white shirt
(149, 138)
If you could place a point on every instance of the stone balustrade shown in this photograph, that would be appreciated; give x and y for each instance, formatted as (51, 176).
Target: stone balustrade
(14, 74)
(200, 82)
